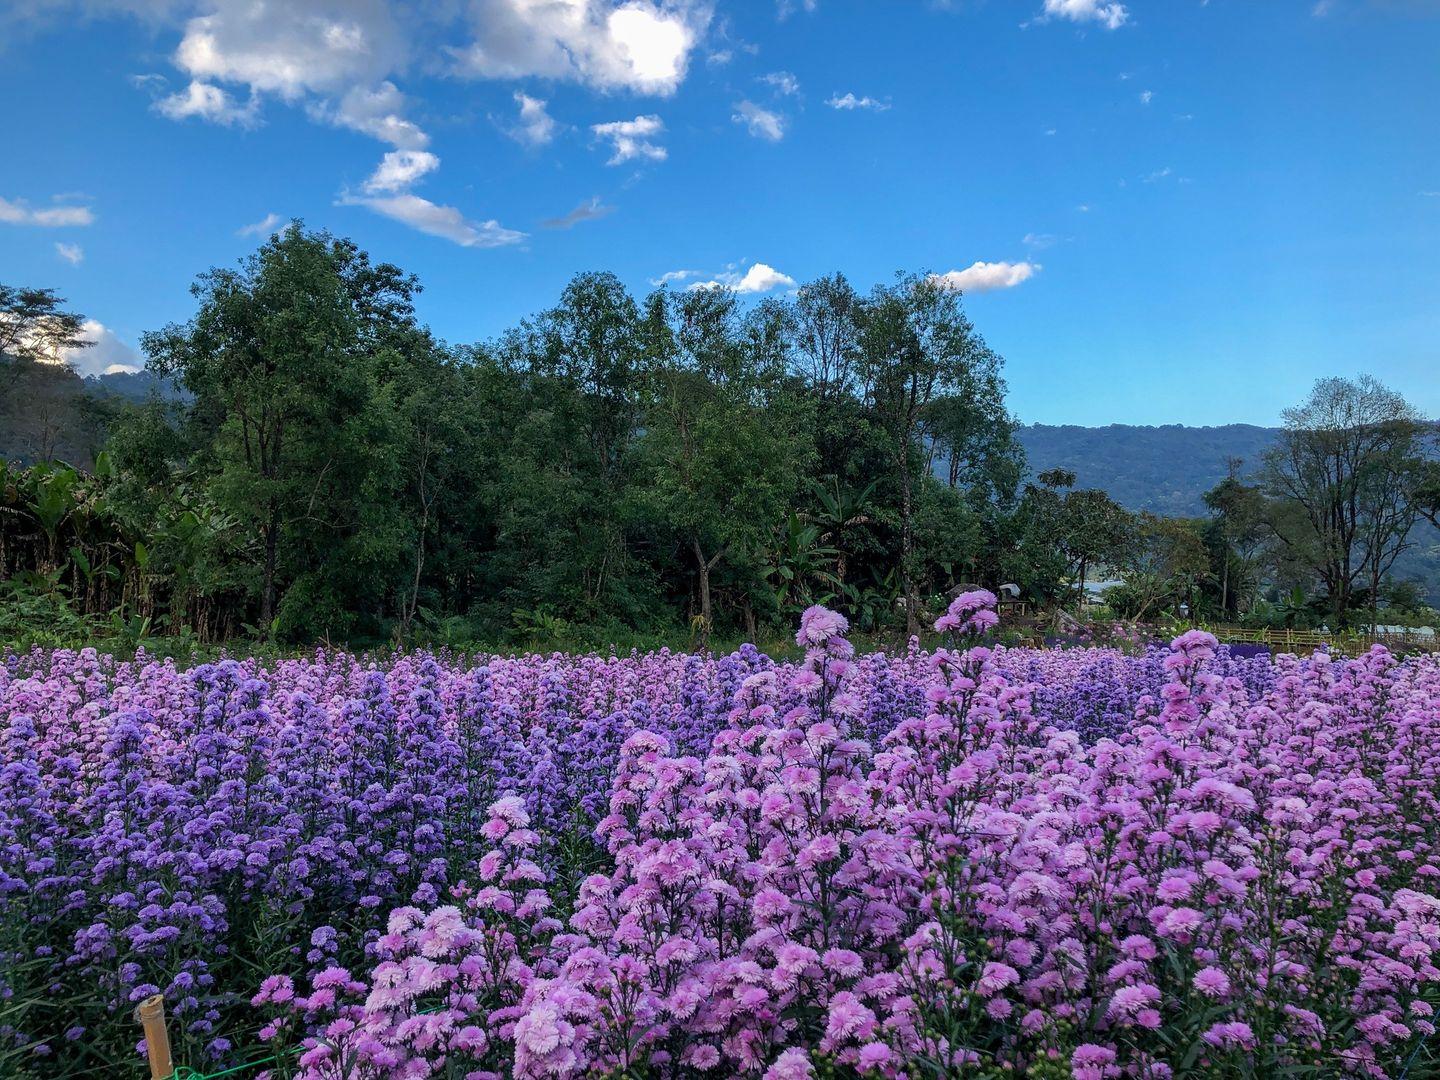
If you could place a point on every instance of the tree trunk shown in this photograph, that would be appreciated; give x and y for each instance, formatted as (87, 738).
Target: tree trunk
(703, 571)
(907, 545)
(267, 581)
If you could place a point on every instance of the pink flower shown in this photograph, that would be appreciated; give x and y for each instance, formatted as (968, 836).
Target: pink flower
(995, 977)
(819, 624)
(1212, 982)
(792, 1064)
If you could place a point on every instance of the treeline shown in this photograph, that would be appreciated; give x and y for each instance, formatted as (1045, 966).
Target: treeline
(672, 465)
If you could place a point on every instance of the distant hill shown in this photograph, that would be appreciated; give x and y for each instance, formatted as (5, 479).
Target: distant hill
(1168, 469)
(47, 411)
(1165, 469)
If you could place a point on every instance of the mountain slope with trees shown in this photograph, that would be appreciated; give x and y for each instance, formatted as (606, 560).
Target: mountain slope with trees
(1164, 469)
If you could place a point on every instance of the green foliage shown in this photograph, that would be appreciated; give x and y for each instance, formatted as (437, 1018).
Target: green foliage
(610, 472)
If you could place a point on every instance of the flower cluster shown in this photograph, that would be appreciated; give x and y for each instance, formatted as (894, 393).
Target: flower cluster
(1012, 862)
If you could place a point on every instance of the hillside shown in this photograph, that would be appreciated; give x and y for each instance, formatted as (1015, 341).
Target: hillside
(1165, 469)
(48, 411)
(1168, 469)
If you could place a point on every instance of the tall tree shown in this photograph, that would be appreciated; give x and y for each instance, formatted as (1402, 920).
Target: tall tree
(915, 345)
(1237, 514)
(718, 449)
(281, 361)
(35, 327)
(1342, 474)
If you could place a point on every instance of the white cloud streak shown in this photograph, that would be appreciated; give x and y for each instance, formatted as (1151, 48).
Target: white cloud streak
(1108, 13)
(849, 103)
(204, 101)
(536, 127)
(784, 83)
(264, 227)
(760, 122)
(20, 212)
(435, 220)
(400, 169)
(630, 139)
(591, 210)
(986, 276)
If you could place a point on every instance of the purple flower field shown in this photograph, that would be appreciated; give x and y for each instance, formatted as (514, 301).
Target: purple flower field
(988, 862)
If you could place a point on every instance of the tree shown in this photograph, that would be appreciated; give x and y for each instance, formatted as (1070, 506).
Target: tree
(915, 345)
(283, 362)
(1238, 525)
(974, 434)
(1343, 474)
(1168, 563)
(826, 320)
(717, 449)
(1085, 527)
(35, 327)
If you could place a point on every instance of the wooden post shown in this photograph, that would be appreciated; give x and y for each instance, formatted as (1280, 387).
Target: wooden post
(151, 1014)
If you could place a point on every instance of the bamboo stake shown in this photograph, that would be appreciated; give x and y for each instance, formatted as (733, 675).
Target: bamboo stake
(151, 1014)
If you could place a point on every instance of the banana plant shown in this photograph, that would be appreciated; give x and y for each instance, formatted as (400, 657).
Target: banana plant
(52, 502)
(841, 509)
(800, 572)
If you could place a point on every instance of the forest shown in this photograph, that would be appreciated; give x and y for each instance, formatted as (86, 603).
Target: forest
(633, 470)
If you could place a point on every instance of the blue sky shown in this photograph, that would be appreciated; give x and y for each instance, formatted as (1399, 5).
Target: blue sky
(1161, 211)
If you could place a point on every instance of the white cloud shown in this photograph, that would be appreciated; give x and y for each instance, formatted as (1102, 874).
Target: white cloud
(537, 127)
(436, 220)
(19, 212)
(399, 169)
(986, 276)
(760, 278)
(375, 112)
(786, 8)
(637, 45)
(674, 275)
(264, 227)
(74, 254)
(633, 138)
(783, 81)
(210, 103)
(293, 48)
(1157, 175)
(1430, 194)
(106, 354)
(1109, 13)
(762, 123)
(850, 102)
(1040, 241)
(1147, 96)
(586, 211)
(335, 56)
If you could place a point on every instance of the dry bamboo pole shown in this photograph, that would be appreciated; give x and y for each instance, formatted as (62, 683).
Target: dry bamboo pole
(151, 1014)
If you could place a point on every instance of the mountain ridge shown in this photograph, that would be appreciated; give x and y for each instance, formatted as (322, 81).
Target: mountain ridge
(1163, 468)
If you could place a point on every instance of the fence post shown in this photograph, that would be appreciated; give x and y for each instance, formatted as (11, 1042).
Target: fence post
(151, 1014)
